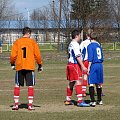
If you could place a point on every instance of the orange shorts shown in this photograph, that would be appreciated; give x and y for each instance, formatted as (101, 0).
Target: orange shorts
(73, 72)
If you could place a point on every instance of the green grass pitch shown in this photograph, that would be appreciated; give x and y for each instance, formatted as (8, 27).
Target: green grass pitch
(50, 92)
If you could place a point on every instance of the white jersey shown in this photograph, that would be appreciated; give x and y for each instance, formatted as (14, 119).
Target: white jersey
(74, 52)
(83, 49)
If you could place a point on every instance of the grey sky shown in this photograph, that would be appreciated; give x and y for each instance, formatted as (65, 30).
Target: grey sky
(20, 5)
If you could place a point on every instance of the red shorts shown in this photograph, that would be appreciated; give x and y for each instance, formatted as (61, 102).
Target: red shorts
(73, 72)
(86, 63)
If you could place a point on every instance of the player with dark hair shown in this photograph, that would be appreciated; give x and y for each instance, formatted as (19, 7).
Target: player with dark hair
(95, 70)
(23, 55)
(83, 48)
(26, 30)
(74, 71)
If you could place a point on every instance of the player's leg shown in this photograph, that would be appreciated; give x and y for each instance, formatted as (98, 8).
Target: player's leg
(30, 97)
(79, 94)
(70, 77)
(78, 88)
(101, 85)
(16, 97)
(92, 95)
(99, 94)
(85, 79)
(74, 74)
(30, 82)
(19, 81)
(91, 81)
(79, 84)
(84, 87)
(100, 81)
(101, 78)
(69, 92)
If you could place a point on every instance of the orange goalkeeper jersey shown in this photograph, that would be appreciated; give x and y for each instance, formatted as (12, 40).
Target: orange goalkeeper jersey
(24, 53)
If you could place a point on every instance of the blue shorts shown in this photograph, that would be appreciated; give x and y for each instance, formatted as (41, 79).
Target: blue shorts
(96, 74)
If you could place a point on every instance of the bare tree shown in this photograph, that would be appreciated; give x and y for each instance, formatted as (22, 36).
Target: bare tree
(40, 19)
(61, 10)
(6, 11)
(115, 13)
(100, 18)
(19, 22)
(66, 22)
(80, 12)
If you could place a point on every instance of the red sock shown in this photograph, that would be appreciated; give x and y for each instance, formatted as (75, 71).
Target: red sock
(69, 94)
(85, 82)
(79, 93)
(16, 94)
(84, 87)
(30, 95)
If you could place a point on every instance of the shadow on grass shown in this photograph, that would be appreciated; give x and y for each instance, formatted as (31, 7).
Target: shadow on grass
(25, 106)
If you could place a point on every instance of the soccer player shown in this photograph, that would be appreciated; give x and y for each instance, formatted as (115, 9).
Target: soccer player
(24, 53)
(95, 69)
(74, 72)
(83, 48)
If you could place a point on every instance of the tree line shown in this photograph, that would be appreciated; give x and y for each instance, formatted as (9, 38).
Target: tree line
(99, 15)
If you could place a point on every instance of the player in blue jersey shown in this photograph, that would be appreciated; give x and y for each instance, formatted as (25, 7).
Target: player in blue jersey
(95, 70)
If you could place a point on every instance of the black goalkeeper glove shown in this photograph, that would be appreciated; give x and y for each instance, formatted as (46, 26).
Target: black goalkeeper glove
(40, 68)
(13, 66)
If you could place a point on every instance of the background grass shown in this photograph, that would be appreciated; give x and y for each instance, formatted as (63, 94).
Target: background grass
(63, 46)
(50, 91)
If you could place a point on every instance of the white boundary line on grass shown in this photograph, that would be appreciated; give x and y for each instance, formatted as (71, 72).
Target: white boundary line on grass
(105, 66)
(34, 89)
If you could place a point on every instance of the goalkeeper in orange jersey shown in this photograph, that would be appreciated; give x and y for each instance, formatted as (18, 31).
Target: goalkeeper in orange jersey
(23, 55)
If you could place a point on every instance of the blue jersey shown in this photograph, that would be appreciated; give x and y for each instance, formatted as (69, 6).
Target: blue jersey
(95, 54)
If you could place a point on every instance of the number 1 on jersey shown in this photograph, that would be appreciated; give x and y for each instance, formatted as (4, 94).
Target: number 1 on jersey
(24, 52)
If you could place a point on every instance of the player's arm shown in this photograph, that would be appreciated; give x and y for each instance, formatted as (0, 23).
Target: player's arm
(90, 57)
(89, 65)
(13, 55)
(78, 56)
(38, 57)
(81, 63)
